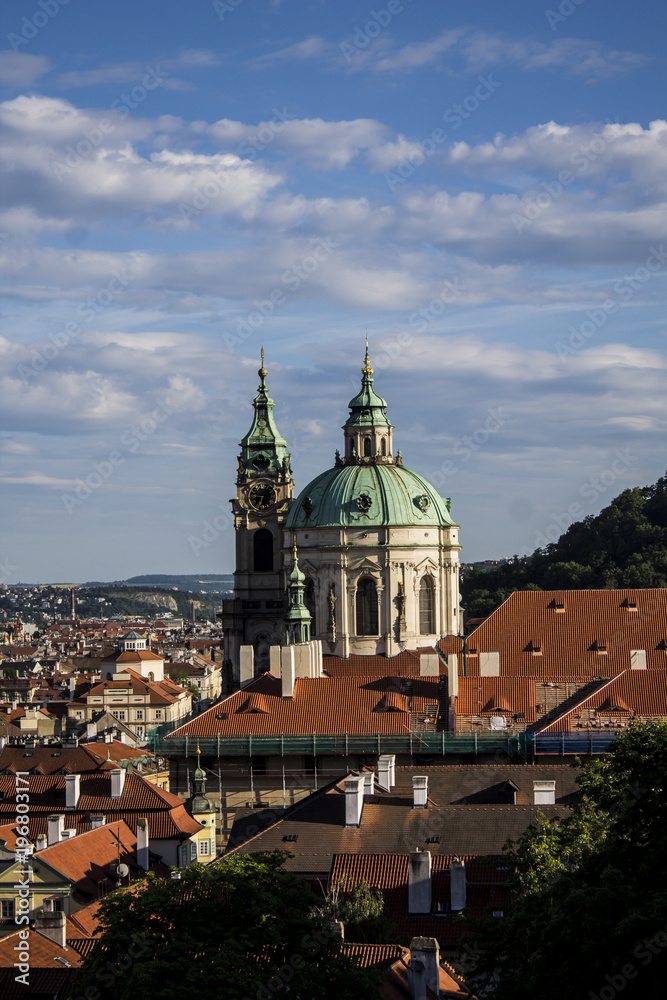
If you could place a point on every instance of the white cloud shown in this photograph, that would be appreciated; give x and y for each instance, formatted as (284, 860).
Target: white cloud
(20, 69)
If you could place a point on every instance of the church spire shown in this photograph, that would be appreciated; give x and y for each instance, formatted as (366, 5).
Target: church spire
(368, 428)
(264, 449)
(298, 617)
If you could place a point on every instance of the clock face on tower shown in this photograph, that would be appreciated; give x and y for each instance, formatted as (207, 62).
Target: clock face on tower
(262, 496)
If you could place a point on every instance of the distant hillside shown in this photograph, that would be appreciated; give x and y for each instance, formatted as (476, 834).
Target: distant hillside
(105, 600)
(208, 582)
(625, 545)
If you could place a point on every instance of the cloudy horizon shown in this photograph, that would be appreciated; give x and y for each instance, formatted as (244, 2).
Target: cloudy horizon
(482, 190)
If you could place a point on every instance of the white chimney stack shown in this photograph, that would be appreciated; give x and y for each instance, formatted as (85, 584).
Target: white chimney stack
(117, 782)
(424, 968)
(72, 787)
(369, 782)
(452, 675)
(287, 670)
(97, 821)
(52, 925)
(142, 844)
(41, 842)
(387, 771)
(420, 791)
(419, 882)
(544, 793)
(55, 826)
(354, 800)
(429, 665)
(457, 883)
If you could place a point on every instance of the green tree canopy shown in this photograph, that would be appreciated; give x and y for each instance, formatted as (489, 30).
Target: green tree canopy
(242, 928)
(625, 545)
(588, 915)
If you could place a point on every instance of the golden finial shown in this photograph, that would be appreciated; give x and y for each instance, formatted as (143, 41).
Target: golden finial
(294, 548)
(262, 371)
(367, 370)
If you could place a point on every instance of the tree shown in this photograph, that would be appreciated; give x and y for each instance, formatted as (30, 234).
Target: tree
(588, 910)
(361, 911)
(242, 928)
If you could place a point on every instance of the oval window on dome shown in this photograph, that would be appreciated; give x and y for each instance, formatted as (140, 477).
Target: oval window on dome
(422, 502)
(364, 502)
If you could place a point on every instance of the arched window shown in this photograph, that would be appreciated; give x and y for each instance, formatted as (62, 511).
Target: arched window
(367, 447)
(383, 446)
(262, 550)
(427, 606)
(309, 601)
(367, 607)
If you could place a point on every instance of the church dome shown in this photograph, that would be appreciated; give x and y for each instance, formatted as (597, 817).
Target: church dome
(369, 495)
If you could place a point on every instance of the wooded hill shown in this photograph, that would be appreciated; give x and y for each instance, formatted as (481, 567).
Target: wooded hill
(625, 545)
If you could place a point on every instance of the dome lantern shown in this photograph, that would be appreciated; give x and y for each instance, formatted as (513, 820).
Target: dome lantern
(368, 429)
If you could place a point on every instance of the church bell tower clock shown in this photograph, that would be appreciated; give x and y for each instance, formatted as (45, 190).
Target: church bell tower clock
(264, 488)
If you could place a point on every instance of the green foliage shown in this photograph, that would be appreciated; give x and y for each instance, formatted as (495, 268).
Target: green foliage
(589, 894)
(242, 928)
(625, 545)
(362, 912)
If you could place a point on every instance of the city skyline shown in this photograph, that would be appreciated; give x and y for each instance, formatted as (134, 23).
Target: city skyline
(483, 191)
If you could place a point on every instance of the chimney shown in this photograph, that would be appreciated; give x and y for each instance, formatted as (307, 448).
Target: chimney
(72, 685)
(387, 771)
(108, 737)
(419, 882)
(369, 782)
(97, 821)
(424, 968)
(142, 844)
(51, 924)
(354, 800)
(452, 675)
(429, 665)
(457, 885)
(91, 731)
(420, 791)
(117, 782)
(544, 793)
(287, 670)
(55, 825)
(247, 665)
(41, 842)
(72, 783)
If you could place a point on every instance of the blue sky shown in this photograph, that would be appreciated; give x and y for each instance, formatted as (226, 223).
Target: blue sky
(481, 186)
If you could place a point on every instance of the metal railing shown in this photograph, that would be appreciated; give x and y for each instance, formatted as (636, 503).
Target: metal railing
(522, 744)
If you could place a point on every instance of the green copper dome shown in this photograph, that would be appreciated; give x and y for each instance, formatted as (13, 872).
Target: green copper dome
(369, 495)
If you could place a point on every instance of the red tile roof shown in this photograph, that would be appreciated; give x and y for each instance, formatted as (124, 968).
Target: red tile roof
(52, 968)
(166, 813)
(87, 860)
(567, 624)
(320, 705)
(496, 696)
(486, 888)
(640, 693)
(405, 664)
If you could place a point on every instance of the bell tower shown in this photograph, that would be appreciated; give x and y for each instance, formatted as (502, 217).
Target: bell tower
(264, 487)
